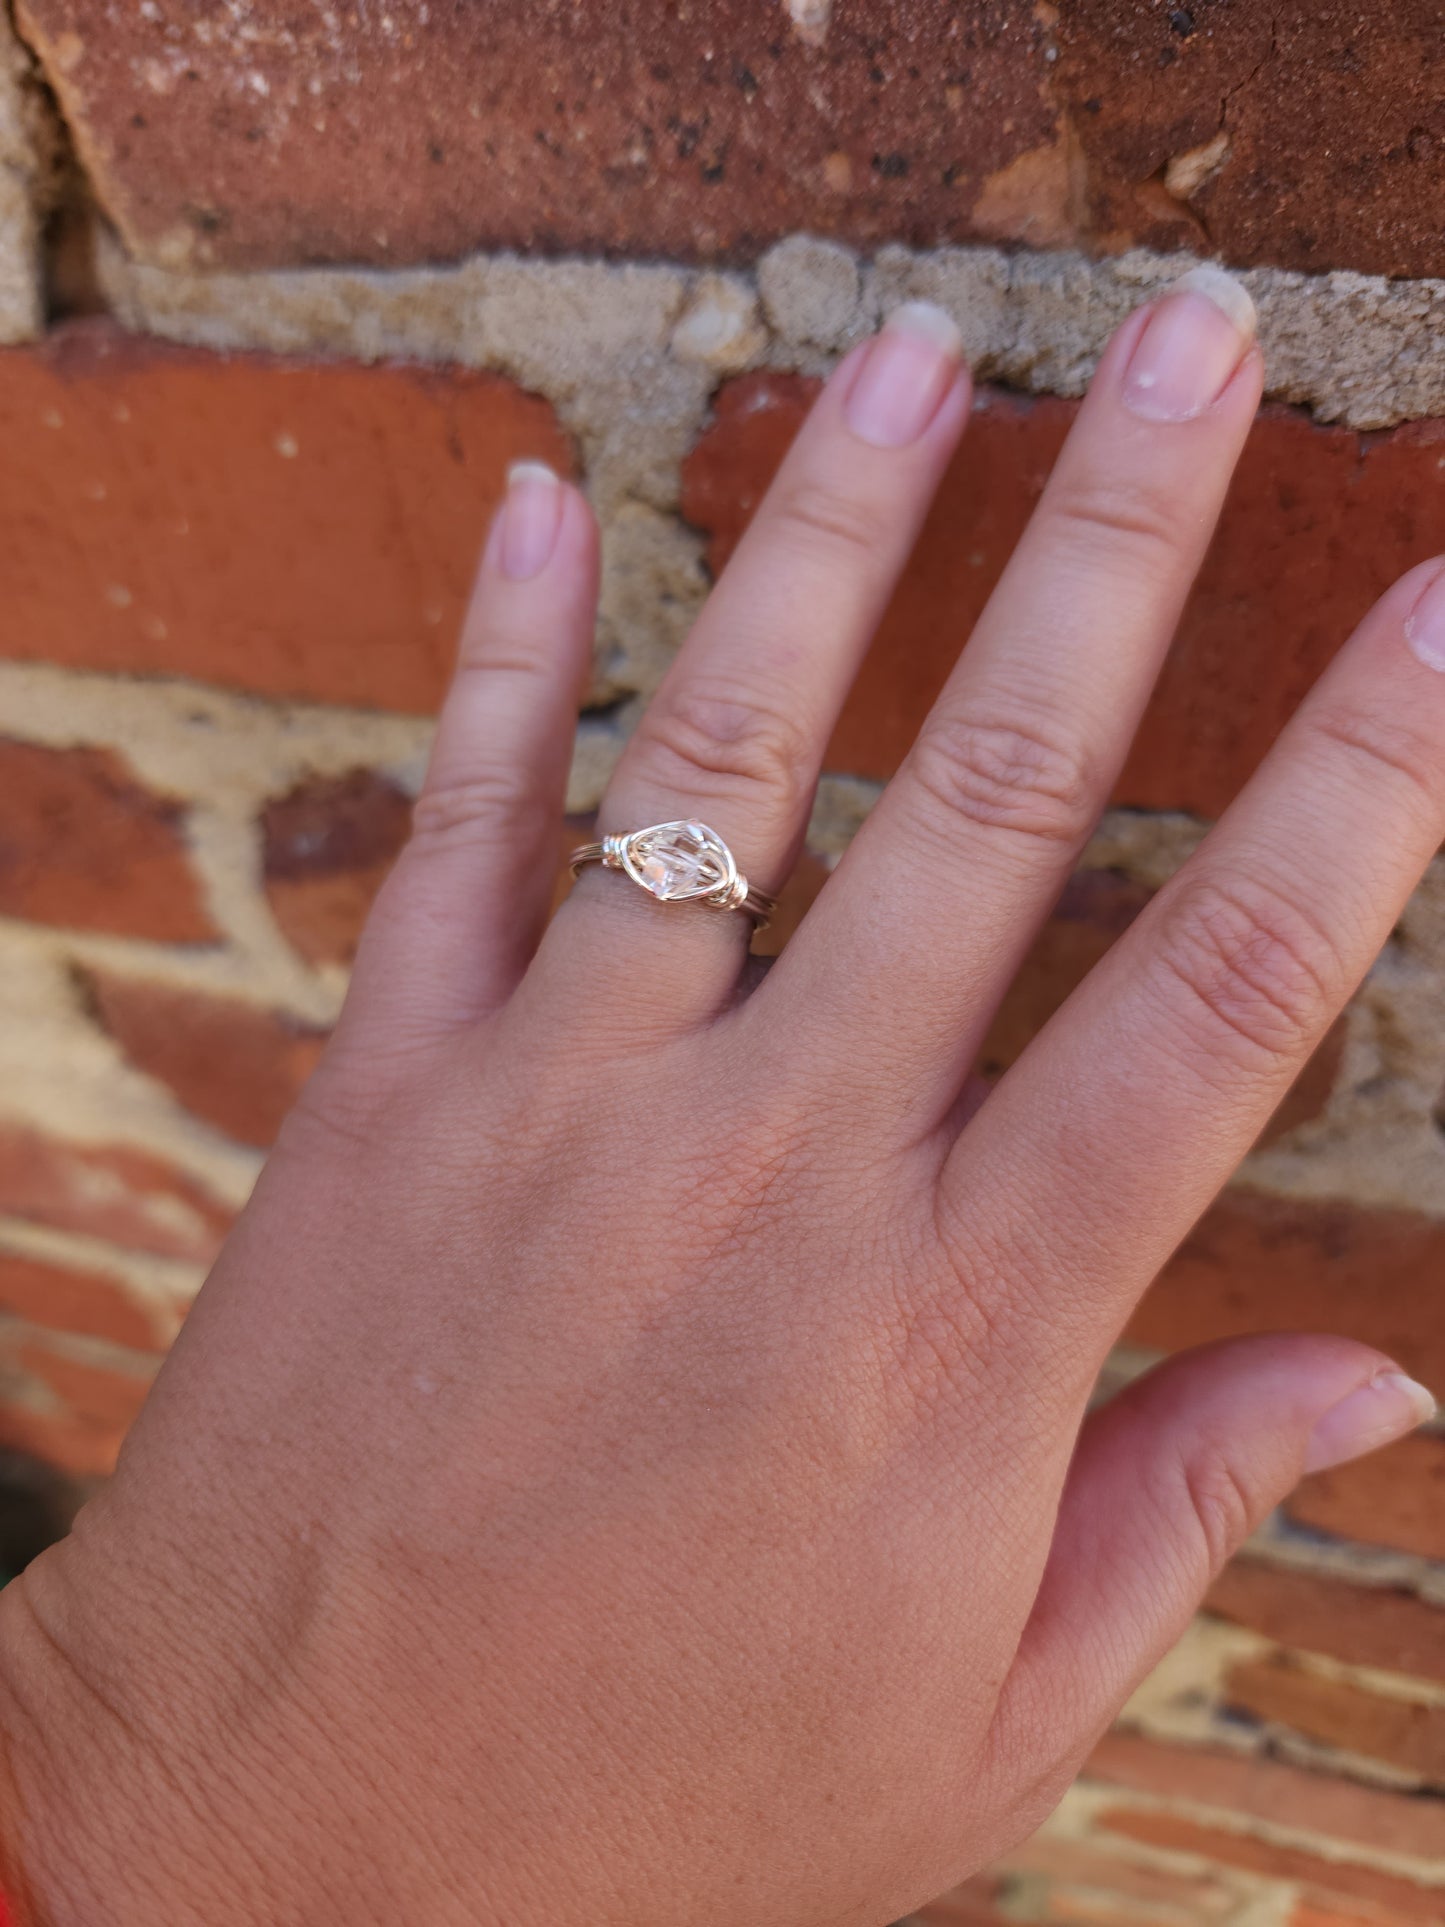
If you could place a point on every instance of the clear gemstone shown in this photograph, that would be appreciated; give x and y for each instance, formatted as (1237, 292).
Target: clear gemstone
(679, 860)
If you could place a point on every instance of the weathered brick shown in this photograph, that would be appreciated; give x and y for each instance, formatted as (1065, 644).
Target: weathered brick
(421, 132)
(1256, 1263)
(235, 1064)
(1310, 135)
(96, 1394)
(1318, 523)
(82, 1447)
(64, 1299)
(141, 483)
(110, 1191)
(84, 844)
(1305, 134)
(1279, 1795)
(327, 846)
(1362, 1625)
(1404, 1733)
(1345, 1878)
(1070, 1863)
(1393, 1498)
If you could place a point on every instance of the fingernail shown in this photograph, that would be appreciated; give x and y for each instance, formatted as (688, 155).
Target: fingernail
(1425, 624)
(1191, 345)
(1385, 1409)
(909, 368)
(531, 517)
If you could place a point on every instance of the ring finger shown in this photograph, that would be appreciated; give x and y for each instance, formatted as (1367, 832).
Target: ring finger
(735, 735)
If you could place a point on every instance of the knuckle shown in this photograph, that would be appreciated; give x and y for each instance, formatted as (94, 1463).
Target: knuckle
(1386, 750)
(481, 809)
(1257, 978)
(1007, 773)
(708, 737)
(1117, 513)
(813, 512)
(1225, 1506)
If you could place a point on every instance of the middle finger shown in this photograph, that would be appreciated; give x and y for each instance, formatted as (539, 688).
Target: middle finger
(916, 938)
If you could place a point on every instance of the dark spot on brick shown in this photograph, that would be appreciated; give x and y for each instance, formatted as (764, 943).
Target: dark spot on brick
(436, 154)
(137, 120)
(745, 80)
(1093, 105)
(1181, 21)
(1168, 56)
(891, 166)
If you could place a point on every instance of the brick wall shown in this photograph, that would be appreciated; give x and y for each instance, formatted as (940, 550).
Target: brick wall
(285, 290)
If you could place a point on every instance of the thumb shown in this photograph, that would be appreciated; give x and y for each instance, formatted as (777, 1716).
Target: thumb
(1167, 1481)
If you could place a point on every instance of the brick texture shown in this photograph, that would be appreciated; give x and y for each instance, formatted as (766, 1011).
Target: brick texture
(1266, 1790)
(111, 1191)
(1404, 1733)
(84, 1302)
(84, 844)
(1361, 1625)
(1311, 135)
(1319, 522)
(234, 1064)
(1394, 1498)
(1257, 1263)
(326, 847)
(141, 483)
(1339, 1879)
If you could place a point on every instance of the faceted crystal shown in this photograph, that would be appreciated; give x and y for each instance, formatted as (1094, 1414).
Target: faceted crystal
(677, 860)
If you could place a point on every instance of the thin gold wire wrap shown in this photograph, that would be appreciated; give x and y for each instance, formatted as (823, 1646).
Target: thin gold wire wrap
(739, 894)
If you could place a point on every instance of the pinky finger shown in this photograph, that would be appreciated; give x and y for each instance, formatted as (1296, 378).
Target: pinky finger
(460, 916)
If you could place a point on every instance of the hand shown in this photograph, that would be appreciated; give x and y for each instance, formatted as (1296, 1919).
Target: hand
(630, 1463)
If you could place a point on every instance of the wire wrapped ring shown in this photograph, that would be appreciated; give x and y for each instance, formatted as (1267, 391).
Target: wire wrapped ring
(680, 863)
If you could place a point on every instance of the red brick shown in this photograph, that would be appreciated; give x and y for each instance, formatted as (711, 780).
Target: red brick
(1075, 1864)
(143, 482)
(327, 846)
(1332, 114)
(85, 845)
(235, 1064)
(79, 1447)
(1278, 1795)
(1361, 1625)
(89, 1302)
(96, 1394)
(419, 133)
(296, 135)
(1319, 522)
(1393, 1498)
(1409, 1734)
(1256, 1263)
(1176, 1834)
(111, 1191)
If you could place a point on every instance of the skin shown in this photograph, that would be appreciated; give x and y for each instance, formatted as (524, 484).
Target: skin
(630, 1463)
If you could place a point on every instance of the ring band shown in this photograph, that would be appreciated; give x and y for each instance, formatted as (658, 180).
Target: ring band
(680, 863)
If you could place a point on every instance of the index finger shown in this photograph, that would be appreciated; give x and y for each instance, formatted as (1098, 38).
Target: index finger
(1108, 1138)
